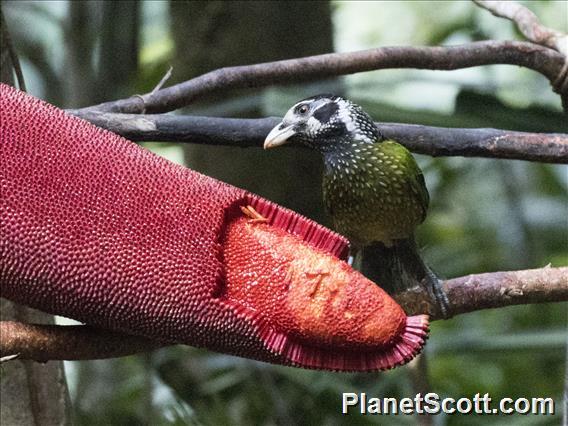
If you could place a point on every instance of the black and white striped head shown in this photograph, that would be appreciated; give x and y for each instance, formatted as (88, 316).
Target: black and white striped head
(324, 123)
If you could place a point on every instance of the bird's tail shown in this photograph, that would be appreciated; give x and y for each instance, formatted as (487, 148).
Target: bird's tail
(395, 268)
(399, 267)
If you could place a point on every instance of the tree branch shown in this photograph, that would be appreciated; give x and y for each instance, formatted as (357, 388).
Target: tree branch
(527, 23)
(434, 141)
(42, 342)
(493, 290)
(546, 61)
(467, 294)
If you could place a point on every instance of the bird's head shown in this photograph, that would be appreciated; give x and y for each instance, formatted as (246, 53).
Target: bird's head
(324, 123)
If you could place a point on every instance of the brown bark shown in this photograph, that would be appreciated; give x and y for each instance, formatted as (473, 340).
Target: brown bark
(434, 141)
(547, 62)
(466, 294)
(32, 394)
(47, 342)
(527, 23)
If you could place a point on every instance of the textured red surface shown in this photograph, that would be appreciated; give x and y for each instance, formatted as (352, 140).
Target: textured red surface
(315, 304)
(98, 229)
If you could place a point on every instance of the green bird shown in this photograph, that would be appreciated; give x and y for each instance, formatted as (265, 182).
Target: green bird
(372, 188)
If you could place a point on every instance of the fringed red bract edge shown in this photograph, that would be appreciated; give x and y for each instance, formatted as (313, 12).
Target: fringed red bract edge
(405, 346)
(309, 231)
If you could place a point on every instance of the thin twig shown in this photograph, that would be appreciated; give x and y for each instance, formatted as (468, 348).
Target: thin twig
(8, 357)
(165, 78)
(434, 141)
(546, 61)
(467, 294)
(527, 23)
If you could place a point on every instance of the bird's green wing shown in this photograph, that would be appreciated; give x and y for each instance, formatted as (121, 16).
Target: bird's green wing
(411, 171)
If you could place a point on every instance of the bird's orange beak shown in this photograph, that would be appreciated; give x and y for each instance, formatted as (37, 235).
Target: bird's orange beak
(279, 135)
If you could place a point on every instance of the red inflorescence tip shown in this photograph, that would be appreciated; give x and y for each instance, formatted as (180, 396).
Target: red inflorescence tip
(311, 307)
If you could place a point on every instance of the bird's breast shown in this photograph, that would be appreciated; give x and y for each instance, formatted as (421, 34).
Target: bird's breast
(369, 200)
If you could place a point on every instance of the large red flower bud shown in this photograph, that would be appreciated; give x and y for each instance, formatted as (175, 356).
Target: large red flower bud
(97, 229)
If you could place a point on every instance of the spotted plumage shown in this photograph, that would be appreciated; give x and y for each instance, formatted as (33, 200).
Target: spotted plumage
(373, 188)
(367, 202)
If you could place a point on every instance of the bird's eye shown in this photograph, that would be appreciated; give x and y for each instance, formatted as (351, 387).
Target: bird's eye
(302, 109)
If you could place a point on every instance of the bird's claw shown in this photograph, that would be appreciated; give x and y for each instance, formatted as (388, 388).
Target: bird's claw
(437, 294)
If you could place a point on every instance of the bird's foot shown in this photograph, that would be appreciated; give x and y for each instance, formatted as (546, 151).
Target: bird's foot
(437, 294)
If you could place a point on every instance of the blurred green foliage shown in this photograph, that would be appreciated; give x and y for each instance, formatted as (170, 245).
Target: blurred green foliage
(486, 215)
